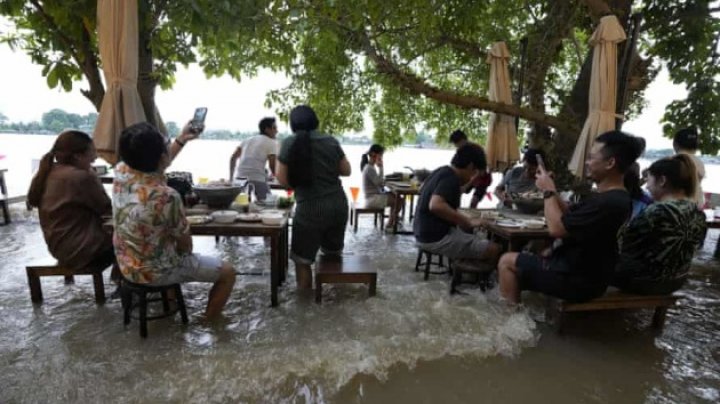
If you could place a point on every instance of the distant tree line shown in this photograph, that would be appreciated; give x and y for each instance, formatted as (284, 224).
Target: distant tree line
(57, 120)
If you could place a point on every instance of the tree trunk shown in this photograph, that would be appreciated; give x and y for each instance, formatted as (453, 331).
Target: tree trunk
(146, 84)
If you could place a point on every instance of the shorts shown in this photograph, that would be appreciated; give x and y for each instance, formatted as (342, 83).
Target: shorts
(319, 224)
(262, 189)
(377, 201)
(535, 273)
(192, 268)
(458, 244)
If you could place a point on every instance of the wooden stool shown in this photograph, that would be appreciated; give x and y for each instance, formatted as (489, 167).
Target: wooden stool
(34, 273)
(614, 299)
(344, 269)
(355, 211)
(479, 268)
(129, 289)
(429, 261)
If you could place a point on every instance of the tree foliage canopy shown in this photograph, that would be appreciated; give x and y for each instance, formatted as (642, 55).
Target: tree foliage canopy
(411, 65)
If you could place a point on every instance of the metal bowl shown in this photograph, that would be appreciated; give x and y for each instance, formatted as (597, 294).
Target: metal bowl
(217, 196)
(529, 206)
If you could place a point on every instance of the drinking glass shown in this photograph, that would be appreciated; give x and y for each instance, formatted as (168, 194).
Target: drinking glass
(354, 191)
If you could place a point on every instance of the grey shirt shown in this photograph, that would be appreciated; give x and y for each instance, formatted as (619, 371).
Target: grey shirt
(372, 180)
(516, 181)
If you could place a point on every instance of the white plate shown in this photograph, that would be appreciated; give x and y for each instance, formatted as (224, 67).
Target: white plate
(508, 223)
(199, 219)
(248, 217)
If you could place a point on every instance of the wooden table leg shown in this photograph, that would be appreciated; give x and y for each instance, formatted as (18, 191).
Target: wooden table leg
(397, 212)
(274, 268)
(717, 249)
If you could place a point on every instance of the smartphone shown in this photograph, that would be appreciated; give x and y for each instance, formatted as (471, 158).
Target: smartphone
(540, 162)
(198, 122)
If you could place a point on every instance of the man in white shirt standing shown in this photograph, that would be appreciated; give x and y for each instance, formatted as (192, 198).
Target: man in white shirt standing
(254, 153)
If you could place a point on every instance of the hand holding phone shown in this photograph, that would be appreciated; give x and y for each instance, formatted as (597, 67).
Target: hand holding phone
(197, 125)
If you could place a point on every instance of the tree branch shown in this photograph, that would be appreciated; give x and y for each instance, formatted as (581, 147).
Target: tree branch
(415, 85)
(53, 26)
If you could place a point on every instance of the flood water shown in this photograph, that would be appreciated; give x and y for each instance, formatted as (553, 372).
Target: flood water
(412, 343)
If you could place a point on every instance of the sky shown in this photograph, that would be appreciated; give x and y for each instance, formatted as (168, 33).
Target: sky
(233, 105)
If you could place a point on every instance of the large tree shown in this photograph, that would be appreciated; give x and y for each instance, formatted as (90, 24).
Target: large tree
(411, 64)
(423, 62)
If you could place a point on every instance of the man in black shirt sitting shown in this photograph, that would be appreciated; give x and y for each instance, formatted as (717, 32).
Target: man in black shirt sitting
(582, 261)
(436, 217)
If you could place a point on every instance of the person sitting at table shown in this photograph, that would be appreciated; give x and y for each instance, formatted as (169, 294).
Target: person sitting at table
(479, 183)
(311, 163)
(519, 179)
(254, 153)
(633, 183)
(438, 226)
(686, 142)
(657, 246)
(373, 182)
(582, 262)
(152, 237)
(72, 202)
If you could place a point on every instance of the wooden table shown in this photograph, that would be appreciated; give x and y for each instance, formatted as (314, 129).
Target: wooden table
(401, 189)
(715, 224)
(516, 237)
(279, 237)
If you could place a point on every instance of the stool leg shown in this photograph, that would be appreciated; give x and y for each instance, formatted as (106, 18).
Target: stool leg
(428, 261)
(372, 287)
(35, 287)
(69, 279)
(181, 303)
(99, 287)
(658, 320)
(318, 284)
(165, 301)
(374, 219)
(382, 221)
(352, 212)
(143, 315)
(126, 299)
(356, 222)
(418, 262)
(441, 263)
(6, 212)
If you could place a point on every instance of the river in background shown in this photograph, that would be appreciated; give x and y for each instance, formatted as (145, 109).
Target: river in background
(413, 343)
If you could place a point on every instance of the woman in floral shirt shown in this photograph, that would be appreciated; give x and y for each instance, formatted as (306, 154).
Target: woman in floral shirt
(152, 237)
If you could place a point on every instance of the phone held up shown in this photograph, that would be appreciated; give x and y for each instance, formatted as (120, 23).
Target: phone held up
(540, 162)
(198, 122)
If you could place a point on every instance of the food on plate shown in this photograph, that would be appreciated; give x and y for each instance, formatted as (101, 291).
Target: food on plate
(199, 219)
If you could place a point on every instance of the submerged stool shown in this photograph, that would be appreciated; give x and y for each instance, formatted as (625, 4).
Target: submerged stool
(344, 269)
(129, 289)
(356, 210)
(35, 272)
(428, 261)
(480, 269)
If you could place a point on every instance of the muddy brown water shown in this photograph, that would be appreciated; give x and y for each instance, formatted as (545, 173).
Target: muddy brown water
(412, 343)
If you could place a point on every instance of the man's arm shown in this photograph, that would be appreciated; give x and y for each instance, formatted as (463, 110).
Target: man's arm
(440, 208)
(185, 136)
(271, 161)
(233, 160)
(281, 174)
(554, 207)
(344, 167)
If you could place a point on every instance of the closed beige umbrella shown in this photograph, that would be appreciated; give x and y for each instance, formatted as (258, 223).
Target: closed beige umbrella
(502, 145)
(117, 27)
(603, 89)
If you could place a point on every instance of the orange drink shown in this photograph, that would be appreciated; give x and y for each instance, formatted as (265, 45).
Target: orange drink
(354, 191)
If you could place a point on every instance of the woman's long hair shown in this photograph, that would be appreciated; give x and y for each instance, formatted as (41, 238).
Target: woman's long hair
(303, 120)
(67, 146)
(679, 171)
(632, 181)
(365, 160)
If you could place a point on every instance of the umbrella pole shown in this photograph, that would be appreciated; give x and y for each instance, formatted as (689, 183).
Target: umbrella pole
(521, 77)
(625, 65)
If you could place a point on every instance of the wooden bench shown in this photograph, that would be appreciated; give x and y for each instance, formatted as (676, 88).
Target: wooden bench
(357, 210)
(344, 269)
(35, 272)
(614, 299)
